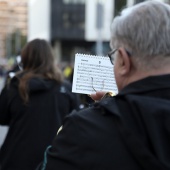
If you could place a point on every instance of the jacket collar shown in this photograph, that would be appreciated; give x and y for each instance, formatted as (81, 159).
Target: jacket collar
(141, 86)
(150, 83)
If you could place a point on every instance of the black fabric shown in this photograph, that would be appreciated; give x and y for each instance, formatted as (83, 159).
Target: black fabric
(130, 131)
(32, 127)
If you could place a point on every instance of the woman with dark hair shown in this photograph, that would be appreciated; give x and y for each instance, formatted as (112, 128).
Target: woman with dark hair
(33, 105)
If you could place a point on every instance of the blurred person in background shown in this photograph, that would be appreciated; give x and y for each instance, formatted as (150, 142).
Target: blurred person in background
(2, 76)
(15, 68)
(2, 71)
(67, 71)
(130, 131)
(33, 105)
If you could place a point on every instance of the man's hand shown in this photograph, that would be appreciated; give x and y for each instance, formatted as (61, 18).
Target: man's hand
(98, 95)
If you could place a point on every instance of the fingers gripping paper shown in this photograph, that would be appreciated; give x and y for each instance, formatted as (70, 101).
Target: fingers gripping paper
(93, 73)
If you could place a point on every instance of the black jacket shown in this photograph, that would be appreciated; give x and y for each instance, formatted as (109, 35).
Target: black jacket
(130, 131)
(33, 126)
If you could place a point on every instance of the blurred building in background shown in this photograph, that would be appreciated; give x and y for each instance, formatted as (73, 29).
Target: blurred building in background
(71, 26)
(81, 26)
(13, 26)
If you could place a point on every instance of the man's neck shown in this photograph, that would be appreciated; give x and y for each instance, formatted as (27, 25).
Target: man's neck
(140, 74)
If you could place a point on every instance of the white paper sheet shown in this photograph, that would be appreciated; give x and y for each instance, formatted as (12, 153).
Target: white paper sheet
(93, 73)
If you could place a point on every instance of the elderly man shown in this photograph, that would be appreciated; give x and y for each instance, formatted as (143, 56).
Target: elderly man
(130, 131)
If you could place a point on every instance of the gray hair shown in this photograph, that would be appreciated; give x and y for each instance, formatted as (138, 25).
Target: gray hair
(144, 29)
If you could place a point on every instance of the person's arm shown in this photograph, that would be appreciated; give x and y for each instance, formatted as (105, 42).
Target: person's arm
(74, 98)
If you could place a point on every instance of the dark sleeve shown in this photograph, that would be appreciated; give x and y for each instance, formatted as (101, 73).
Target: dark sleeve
(65, 154)
(76, 101)
(74, 97)
(4, 107)
(6, 97)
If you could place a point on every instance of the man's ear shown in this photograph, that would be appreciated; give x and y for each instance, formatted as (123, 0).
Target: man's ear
(124, 62)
